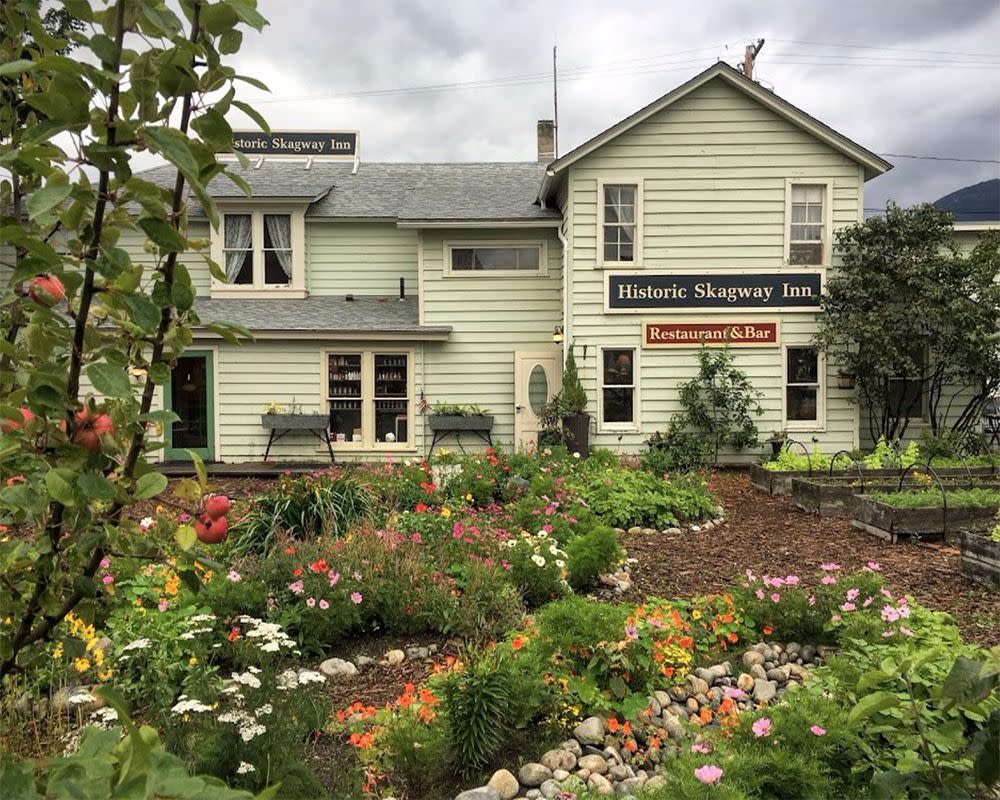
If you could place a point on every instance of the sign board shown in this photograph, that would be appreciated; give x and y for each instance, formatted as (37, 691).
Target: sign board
(717, 291)
(342, 144)
(711, 334)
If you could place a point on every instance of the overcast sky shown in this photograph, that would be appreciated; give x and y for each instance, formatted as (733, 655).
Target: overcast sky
(932, 88)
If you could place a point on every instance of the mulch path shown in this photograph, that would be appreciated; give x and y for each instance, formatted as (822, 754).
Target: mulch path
(768, 535)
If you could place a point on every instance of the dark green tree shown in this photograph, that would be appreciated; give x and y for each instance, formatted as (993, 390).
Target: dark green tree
(914, 320)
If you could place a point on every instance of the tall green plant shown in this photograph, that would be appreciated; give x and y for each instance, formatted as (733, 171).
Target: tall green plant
(573, 396)
(74, 306)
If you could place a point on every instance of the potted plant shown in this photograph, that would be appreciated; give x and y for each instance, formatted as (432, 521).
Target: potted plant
(777, 440)
(276, 416)
(454, 417)
(573, 404)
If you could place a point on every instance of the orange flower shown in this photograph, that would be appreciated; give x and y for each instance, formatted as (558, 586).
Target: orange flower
(427, 697)
(426, 714)
(627, 728)
(686, 642)
(630, 745)
(768, 630)
(613, 725)
(655, 742)
(517, 643)
(706, 715)
(296, 572)
(668, 672)
(733, 638)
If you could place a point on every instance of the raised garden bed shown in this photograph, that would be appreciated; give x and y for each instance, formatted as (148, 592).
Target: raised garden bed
(980, 558)
(838, 496)
(927, 522)
(780, 482)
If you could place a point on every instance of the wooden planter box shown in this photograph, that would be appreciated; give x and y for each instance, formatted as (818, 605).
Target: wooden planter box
(839, 497)
(459, 423)
(775, 482)
(294, 422)
(889, 522)
(981, 559)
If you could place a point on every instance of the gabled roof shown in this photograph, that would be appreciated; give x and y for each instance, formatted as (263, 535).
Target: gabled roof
(978, 203)
(460, 192)
(873, 164)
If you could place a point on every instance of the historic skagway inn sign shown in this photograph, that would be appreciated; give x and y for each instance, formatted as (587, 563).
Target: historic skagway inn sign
(309, 143)
(375, 290)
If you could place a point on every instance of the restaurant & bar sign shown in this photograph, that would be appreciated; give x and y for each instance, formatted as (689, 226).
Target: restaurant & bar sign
(710, 334)
(770, 291)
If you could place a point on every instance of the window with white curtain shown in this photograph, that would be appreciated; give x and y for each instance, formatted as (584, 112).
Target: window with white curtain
(257, 249)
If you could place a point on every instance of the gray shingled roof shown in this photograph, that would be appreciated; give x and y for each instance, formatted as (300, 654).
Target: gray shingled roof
(460, 192)
(319, 314)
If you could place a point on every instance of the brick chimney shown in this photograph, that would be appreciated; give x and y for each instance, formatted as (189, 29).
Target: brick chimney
(546, 141)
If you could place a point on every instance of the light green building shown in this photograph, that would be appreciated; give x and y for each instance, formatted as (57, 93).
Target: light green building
(376, 289)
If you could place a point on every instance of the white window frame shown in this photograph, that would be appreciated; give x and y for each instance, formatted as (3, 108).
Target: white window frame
(827, 223)
(819, 424)
(637, 261)
(296, 287)
(368, 397)
(618, 427)
(540, 244)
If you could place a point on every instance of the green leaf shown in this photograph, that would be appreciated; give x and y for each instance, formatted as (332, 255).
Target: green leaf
(870, 679)
(17, 67)
(173, 146)
(163, 235)
(251, 112)
(191, 580)
(199, 467)
(61, 485)
(218, 18)
(247, 12)
(150, 485)
(159, 373)
(161, 417)
(96, 487)
(185, 536)
(144, 313)
(45, 199)
(964, 684)
(109, 380)
(872, 704)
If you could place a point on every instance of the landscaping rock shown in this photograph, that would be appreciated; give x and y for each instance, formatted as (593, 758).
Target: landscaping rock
(395, 657)
(550, 789)
(745, 682)
(559, 775)
(635, 530)
(600, 785)
(504, 784)
(757, 671)
(573, 746)
(673, 728)
(593, 764)
(662, 698)
(655, 782)
(696, 685)
(482, 793)
(338, 668)
(764, 691)
(779, 674)
(72, 699)
(751, 657)
(590, 731)
(558, 759)
(363, 661)
(532, 774)
(417, 653)
(673, 531)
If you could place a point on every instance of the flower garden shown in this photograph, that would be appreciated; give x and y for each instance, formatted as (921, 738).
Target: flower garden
(481, 627)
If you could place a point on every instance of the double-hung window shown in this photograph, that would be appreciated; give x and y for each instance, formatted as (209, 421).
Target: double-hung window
(368, 397)
(807, 228)
(619, 407)
(620, 223)
(803, 388)
(261, 250)
(907, 397)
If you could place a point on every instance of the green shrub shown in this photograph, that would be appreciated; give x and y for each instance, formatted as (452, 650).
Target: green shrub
(323, 504)
(485, 606)
(623, 497)
(675, 451)
(591, 554)
(537, 567)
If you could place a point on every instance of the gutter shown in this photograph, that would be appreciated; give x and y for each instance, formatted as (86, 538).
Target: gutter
(565, 290)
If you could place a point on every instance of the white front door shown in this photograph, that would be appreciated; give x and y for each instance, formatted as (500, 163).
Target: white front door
(536, 380)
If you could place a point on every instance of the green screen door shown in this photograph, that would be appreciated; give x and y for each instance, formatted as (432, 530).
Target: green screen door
(190, 396)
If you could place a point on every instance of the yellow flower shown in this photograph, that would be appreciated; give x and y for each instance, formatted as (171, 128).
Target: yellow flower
(159, 509)
(207, 576)
(105, 675)
(58, 651)
(192, 661)
(468, 496)
(81, 664)
(98, 656)
(8, 621)
(446, 512)
(696, 614)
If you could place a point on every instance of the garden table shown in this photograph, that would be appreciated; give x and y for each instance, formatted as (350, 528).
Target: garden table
(280, 424)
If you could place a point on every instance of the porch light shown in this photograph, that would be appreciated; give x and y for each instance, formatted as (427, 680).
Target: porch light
(557, 334)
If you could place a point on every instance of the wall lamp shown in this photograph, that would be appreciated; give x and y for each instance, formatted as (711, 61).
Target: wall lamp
(557, 334)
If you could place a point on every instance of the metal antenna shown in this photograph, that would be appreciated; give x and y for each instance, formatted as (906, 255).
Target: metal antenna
(555, 104)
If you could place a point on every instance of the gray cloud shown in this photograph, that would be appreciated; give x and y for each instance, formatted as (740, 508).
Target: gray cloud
(616, 58)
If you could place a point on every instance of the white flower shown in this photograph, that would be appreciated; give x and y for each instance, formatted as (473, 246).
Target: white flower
(244, 768)
(311, 676)
(542, 534)
(270, 647)
(539, 560)
(189, 707)
(247, 679)
(201, 618)
(80, 696)
(146, 523)
(138, 644)
(287, 680)
(554, 550)
(560, 563)
(576, 455)
(251, 731)
(254, 670)
(264, 710)
(106, 714)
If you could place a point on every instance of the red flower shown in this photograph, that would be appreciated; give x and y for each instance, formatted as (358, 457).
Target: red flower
(318, 566)
(234, 634)
(768, 630)
(296, 572)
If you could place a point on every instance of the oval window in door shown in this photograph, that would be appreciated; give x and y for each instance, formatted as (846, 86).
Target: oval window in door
(538, 389)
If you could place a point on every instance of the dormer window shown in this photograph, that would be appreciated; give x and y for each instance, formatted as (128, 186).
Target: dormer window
(260, 251)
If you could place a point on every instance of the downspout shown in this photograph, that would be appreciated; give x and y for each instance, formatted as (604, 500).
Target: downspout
(565, 290)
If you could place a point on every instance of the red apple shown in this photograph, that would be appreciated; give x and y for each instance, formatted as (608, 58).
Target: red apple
(88, 429)
(9, 425)
(46, 290)
(211, 531)
(217, 506)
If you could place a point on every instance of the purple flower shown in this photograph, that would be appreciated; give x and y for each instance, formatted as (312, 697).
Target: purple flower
(734, 692)
(333, 576)
(107, 579)
(631, 632)
(708, 774)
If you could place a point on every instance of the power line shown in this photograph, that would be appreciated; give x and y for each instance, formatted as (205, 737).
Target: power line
(887, 49)
(942, 158)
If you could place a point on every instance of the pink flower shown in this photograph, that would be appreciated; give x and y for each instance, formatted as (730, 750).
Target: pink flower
(163, 605)
(868, 601)
(889, 614)
(356, 598)
(708, 774)
(311, 602)
(818, 731)
(792, 580)
(105, 562)
(887, 634)
(760, 594)
(852, 594)
(184, 517)
(234, 576)
(700, 748)
(655, 623)
(297, 587)
(107, 579)
(828, 580)
(904, 610)
(873, 566)
(886, 593)
(812, 599)
(416, 538)
(734, 692)
(848, 607)
(835, 618)
(761, 727)
(905, 631)
(333, 577)
(829, 566)
(775, 597)
(324, 605)
(631, 632)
